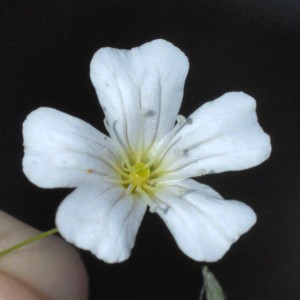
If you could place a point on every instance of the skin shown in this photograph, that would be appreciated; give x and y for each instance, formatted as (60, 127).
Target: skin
(48, 269)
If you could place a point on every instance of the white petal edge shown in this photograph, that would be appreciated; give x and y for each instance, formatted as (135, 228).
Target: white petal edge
(144, 80)
(102, 219)
(221, 135)
(203, 224)
(61, 150)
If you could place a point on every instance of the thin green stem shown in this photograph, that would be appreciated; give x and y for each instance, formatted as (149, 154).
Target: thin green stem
(28, 241)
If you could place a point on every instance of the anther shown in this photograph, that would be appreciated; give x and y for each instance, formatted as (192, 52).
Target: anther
(179, 152)
(144, 111)
(180, 119)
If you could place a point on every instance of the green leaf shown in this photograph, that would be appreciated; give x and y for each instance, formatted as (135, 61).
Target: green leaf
(211, 286)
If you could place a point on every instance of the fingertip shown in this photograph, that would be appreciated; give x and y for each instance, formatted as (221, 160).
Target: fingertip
(48, 267)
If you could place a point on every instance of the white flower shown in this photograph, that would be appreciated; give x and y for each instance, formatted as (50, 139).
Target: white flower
(148, 159)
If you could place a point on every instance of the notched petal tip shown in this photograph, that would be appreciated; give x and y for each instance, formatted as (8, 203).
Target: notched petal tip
(203, 224)
(150, 77)
(247, 220)
(59, 148)
(223, 135)
(101, 219)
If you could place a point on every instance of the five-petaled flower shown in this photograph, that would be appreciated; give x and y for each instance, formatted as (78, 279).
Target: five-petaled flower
(148, 158)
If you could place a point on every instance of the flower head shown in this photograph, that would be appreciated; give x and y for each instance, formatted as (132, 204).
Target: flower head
(148, 157)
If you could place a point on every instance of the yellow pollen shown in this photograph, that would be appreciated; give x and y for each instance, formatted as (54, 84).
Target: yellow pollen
(139, 174)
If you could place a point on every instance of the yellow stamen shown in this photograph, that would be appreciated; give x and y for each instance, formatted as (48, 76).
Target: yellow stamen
(139, 174)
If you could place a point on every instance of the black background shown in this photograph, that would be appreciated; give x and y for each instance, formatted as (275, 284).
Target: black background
(253, 46)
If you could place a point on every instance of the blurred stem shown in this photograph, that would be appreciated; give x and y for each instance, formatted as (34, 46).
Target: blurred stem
(28, 241)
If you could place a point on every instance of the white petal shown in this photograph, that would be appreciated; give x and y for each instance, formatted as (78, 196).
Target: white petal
(222, 135)
(148, 79)
(61, 150)
(203, 224)
(102, 219)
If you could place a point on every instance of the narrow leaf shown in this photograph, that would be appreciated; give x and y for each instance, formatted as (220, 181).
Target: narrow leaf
(211, 287)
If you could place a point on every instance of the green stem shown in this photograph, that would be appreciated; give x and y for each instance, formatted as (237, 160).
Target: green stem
(28, 241)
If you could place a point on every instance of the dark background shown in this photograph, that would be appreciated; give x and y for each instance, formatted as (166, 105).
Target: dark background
(253, 46)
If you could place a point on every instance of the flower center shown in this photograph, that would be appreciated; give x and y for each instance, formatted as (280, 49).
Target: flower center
(136, 178)
(139, 174)
(142, 171)
(134, 169)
